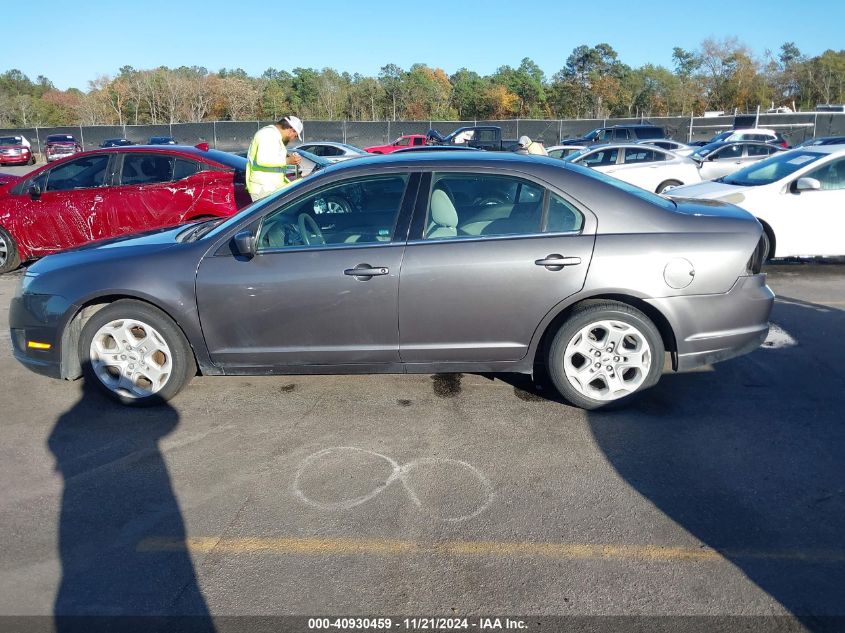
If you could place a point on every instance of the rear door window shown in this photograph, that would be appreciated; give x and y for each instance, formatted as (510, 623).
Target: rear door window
(185, 168)
(146, 169)
(643, 155)
(481, 205)
(760, 150)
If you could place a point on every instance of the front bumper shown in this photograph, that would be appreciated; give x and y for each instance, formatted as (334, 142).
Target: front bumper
(713, 328)
(34, 317)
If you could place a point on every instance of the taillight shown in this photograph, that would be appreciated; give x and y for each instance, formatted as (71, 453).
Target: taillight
(755, 262)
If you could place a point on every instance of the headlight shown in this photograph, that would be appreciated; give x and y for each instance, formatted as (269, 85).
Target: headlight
(25, 283)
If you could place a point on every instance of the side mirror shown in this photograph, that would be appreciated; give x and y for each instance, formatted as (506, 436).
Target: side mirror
(245, 243)
(807, 184)
(34, 191)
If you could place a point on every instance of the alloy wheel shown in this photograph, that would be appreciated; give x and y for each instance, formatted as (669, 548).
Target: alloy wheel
(607, 360)
(131, 358)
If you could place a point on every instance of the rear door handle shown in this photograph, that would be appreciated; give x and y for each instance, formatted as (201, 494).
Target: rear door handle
(365, 271)
(557, 262)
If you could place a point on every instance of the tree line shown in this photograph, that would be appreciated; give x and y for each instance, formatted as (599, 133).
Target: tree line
(593, 83)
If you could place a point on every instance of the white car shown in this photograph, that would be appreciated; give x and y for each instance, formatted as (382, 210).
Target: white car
(645, 166)
(798, 196)
(332, 151)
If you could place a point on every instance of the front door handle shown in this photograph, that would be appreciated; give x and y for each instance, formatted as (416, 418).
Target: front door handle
(363, 272)
(557, 262)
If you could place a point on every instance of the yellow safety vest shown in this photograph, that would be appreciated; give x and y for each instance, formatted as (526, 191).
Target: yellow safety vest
(537, 149)
(266, 163)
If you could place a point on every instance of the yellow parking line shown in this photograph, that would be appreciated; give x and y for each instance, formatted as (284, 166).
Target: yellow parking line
(390, 547)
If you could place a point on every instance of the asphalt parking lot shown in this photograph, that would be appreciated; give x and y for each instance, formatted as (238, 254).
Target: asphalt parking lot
(721, 492)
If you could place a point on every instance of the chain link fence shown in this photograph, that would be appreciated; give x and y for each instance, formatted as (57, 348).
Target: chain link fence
(235, 136)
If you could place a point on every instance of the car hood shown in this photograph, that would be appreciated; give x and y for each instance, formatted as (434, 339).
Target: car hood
(5, 179)
(137, 244)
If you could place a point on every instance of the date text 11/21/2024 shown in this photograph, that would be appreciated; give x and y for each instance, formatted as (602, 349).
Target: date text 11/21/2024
(416, 624)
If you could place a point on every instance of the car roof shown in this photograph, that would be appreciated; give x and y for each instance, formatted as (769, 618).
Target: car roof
(753, 130)
(522, 162)
(621, 145)
(720, 144)
(186, 151)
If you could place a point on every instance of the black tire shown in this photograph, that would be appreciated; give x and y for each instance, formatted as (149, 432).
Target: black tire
(768, 241)
(10, 258)
(593, 312)
(663, 186)
(183, 364)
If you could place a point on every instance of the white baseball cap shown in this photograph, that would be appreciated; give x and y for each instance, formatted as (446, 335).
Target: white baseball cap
(524, 141)
(296, 125)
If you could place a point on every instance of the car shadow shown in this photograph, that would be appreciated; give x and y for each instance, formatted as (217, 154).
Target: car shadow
(117, 492)
(748, 458)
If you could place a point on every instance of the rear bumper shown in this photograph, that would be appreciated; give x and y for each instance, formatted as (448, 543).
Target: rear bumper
(713, 328)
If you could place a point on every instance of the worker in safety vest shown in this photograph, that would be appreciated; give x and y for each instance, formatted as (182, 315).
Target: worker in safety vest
(268, 157)
(527, 146)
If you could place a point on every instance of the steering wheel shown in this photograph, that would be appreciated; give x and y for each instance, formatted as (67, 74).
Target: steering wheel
(489, 201)
(305, 223)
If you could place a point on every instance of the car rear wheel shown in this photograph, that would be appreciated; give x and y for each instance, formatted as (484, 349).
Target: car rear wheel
(768, 241)
(9, 257)
(135, 353)
(604, 354)
(667, 185)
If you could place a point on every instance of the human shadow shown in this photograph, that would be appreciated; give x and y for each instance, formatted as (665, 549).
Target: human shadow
(117, 493)
(749, 459)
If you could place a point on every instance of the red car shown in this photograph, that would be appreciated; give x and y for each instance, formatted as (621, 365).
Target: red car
(59, 146)
(14, 152)
(113, 192)
(406, 140)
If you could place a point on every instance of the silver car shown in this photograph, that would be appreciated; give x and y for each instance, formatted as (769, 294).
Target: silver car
(419, 263)
(719, 159)
(332, 151)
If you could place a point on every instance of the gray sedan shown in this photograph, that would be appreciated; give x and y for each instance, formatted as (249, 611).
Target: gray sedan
(507, 263)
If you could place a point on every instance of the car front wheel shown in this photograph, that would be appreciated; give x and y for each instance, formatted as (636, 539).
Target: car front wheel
(604, 354)
(135, 353)
(9, 256)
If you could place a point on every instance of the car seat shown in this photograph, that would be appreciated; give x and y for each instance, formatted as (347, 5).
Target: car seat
(443, 216)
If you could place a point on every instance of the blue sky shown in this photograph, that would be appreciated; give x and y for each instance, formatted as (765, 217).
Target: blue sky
(361, 35)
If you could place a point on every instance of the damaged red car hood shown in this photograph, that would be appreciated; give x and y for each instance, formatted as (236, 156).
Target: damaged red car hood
(5, 179)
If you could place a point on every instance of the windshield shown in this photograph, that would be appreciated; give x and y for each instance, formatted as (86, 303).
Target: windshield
(10, 140)
(770, 170)
(703, 151)
(593, 133)
(720, 137)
